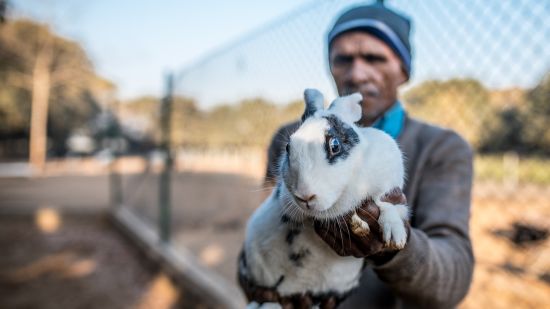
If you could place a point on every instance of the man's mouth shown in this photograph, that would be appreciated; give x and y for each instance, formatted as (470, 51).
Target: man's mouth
(369, 91)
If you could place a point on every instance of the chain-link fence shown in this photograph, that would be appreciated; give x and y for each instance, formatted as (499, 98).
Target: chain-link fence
(479, 67)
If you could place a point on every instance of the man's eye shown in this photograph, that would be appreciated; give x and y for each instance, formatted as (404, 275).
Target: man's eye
(334, 146)
(342, 60)
(374, 58)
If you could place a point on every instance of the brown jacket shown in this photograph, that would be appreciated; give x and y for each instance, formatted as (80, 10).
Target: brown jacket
(435, 268)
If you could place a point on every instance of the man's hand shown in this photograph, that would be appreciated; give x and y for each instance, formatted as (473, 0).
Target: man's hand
(338, 234)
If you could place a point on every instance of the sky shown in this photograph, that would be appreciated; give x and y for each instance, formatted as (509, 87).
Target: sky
(500, 43)
(135, 42)
(224, 51)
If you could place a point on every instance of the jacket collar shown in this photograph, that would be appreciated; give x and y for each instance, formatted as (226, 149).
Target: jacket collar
(392, 121)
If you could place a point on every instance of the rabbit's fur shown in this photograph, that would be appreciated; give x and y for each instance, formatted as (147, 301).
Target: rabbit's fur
(281, 248)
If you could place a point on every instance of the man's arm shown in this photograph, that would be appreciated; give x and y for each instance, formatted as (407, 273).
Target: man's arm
(435, 268)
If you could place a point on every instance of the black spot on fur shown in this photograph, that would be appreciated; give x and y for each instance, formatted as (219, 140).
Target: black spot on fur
(285, 219)
(308, 113)
(311, 97)
(281, 279)
(242, 259)
(291, 234)
(298, 257)
(346, 135)
(242, 272)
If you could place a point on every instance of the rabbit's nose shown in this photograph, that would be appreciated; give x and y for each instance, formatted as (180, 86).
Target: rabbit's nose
(305, 199)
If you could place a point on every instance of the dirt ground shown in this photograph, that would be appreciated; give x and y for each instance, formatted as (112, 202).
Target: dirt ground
(209, 213)
(56, 261)
(512, 257)
(212, 209)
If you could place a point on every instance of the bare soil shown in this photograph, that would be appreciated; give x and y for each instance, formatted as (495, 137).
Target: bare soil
(78, 262)
(212, 209)
(209, 213)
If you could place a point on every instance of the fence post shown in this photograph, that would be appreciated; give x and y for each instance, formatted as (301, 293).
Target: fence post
(164, 183)
(113, 140)
(510, 165)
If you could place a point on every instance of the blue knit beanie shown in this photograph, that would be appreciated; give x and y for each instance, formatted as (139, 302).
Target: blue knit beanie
(385, 24)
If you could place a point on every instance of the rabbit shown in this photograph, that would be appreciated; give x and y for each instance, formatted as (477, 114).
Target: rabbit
(330, 167)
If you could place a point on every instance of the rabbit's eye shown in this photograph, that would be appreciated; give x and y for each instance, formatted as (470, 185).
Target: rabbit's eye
(334, 146)
(288, 148)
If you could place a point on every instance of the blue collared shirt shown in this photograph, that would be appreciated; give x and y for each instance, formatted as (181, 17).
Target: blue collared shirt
(392, 121)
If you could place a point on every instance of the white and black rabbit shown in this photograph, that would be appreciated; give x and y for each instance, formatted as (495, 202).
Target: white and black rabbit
(330, 167)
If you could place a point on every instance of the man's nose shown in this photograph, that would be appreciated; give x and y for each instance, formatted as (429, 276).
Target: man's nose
(360, 72)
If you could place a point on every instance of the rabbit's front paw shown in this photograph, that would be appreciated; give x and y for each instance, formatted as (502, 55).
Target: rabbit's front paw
(393, 227)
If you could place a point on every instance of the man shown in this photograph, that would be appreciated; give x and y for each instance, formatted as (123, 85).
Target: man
(369, 52)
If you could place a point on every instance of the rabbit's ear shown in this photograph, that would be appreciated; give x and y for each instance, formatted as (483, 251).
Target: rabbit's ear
(348, 108)
(314, 102)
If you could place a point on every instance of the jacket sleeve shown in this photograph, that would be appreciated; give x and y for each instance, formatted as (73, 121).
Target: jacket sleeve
(435, 268)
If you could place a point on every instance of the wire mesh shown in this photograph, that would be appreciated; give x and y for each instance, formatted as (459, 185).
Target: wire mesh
(479, 67)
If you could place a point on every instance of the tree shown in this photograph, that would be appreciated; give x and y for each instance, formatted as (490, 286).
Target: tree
(3, 5)
(536, 133)
(38, 66)
(460, 104)
(505, 132)
(248, 123)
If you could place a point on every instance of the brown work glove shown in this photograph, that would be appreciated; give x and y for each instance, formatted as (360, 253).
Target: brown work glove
(262, 295)
(338, 235)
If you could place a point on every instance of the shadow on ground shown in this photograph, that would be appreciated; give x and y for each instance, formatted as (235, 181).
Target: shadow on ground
(54, 261)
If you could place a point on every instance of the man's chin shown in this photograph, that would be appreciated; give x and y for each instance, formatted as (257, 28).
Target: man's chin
(368, 119)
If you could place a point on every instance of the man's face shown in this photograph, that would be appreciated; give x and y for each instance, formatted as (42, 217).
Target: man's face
(360, 62)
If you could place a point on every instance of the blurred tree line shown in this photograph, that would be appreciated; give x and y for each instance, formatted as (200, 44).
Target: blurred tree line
(493, 121)
(52, 78)
(249, 123)
(48, 89)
